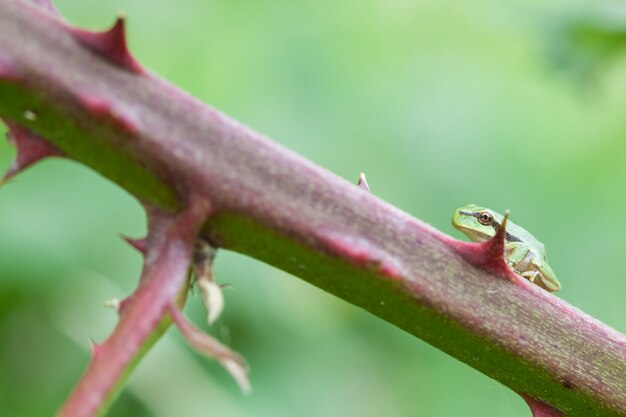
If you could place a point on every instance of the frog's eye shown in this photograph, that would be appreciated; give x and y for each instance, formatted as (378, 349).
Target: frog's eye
(484, 217)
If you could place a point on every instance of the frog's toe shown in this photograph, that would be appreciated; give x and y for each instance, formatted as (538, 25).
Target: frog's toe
(531, 275)
(552, 286)
(548, 278)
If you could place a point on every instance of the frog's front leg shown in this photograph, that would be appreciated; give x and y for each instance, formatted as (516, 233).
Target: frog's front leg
(514, 254)
(520, 259)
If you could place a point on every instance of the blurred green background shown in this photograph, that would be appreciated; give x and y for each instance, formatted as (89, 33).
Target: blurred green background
(441, 103)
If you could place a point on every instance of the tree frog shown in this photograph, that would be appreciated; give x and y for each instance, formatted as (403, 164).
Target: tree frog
(522, 251)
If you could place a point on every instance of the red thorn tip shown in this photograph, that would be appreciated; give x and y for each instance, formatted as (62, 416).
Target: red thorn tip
(123, 304)
(495, 245)
(111, 45)
(540, 409)
(507, 213)
(489, 255)
(139, 244)
(95, 348)
(30, 149)
(362, 184)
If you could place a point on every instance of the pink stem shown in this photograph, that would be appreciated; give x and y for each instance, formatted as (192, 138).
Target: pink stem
(170, 246)
(161, 144)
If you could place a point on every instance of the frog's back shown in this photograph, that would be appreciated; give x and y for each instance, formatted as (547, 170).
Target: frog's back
(515, 232)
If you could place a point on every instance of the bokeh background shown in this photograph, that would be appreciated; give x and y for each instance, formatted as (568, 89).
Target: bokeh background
(516, 104)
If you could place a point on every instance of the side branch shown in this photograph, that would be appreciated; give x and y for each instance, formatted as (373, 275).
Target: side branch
(145, 315)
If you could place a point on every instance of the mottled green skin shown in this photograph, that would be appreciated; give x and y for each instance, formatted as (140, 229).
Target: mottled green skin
(522, 251)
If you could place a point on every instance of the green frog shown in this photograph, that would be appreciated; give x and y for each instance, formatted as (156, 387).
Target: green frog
(522, 251)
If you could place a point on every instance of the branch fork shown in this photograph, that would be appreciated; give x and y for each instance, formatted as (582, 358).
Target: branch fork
(148, 311)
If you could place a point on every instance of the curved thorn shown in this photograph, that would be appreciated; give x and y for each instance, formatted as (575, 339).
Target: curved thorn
(540, 409)
(496, 243)
(31, 149)
(95, 347)
(507, 213)
(489, 255)
(362, 183)
(110, 44)
(139, 244)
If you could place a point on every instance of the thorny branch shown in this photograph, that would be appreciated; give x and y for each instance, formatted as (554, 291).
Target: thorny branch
(82, 95)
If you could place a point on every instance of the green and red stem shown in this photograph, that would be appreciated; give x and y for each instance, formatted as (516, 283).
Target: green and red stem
(144, 316)
(89, 100)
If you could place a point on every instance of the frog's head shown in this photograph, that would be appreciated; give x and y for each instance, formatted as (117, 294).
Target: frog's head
(478, 223)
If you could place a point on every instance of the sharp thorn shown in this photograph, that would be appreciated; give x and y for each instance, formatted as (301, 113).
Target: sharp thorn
(110, 44)
(139, 244)
(30, 150)
(362, 183)
(540, 409)
(95, 347)
(507, 213)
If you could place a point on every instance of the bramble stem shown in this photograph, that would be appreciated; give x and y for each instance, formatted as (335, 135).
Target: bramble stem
(162, 145)
(144, 316)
